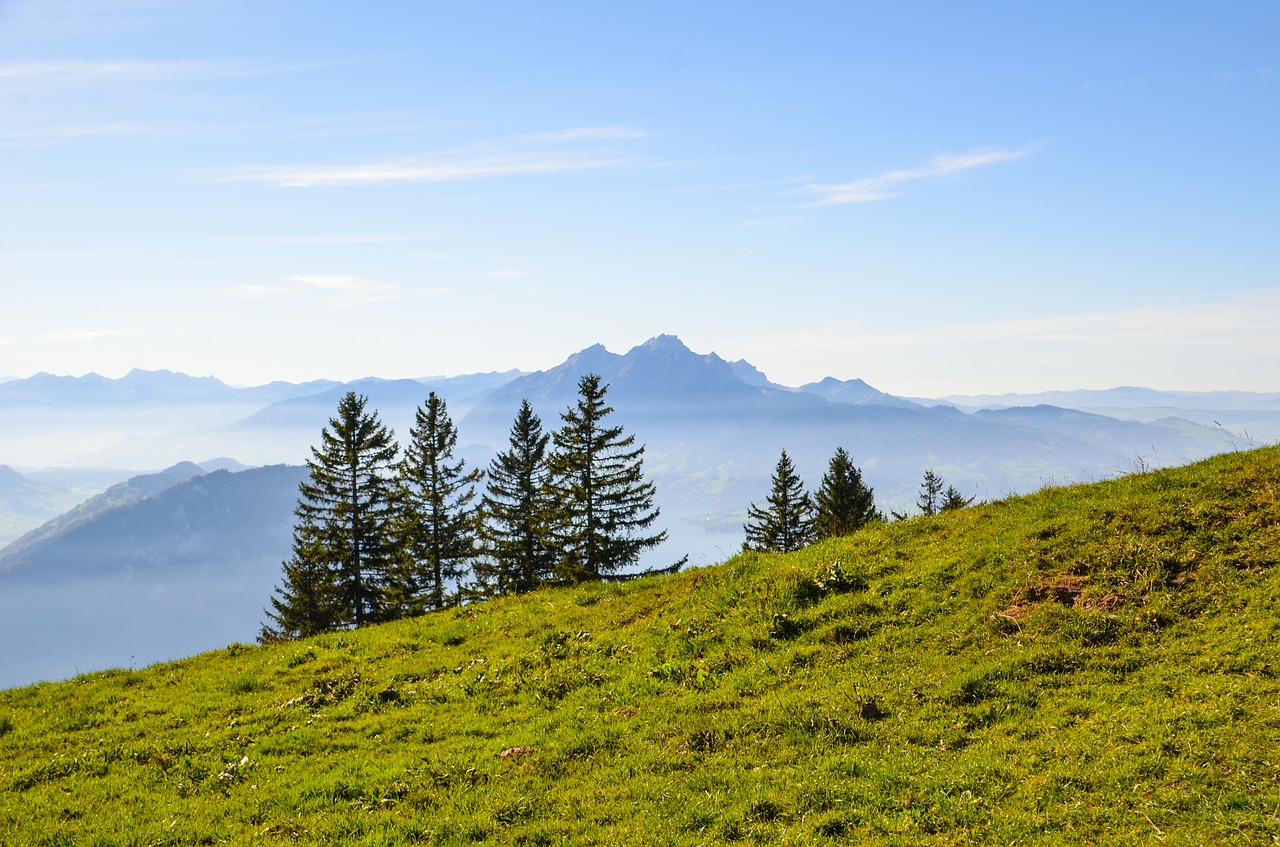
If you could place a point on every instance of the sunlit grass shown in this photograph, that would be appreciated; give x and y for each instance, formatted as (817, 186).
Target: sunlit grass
(1085, 665)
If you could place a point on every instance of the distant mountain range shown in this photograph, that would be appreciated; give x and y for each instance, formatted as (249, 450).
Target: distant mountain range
(211, 544)
(135, 579)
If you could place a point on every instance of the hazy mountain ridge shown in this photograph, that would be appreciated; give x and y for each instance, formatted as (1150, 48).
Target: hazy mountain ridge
(25, 502)
(171, 575)
(1123, 397)
(712, 429)
(1166, 441)
(1244, 419)
(122, 494)
(854, 392)
(201, 521)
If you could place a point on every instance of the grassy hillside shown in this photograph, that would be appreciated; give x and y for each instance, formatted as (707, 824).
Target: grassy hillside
(1093, 664)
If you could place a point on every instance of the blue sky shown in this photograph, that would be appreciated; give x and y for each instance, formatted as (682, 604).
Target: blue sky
(938, 198)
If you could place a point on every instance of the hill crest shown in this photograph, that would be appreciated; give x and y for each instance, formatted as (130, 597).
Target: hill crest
(1092, 661)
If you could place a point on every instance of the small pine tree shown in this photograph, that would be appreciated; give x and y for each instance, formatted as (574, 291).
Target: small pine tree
(843, 503)
(603, 503)
(342, 560)
(930, 489)
(787, 523)
(437, 524)
(517, 508)
(952, 499)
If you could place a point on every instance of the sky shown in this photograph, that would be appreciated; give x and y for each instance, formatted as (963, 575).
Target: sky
(938, 198)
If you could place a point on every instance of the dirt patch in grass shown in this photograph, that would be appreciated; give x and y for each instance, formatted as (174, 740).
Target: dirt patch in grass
(1065, 591)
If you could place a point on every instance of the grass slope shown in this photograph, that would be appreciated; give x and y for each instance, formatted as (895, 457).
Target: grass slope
(1095, 664)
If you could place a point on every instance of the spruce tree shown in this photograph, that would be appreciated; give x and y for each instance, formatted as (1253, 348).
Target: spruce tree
(341, 566)
(517, 508)
(603, 504)
(787, 522)
(930, 491)
(843, 502)
(306, 603)
(952, 499)
(437, 525)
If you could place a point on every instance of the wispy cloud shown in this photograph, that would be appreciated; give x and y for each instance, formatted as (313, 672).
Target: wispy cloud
(51, 132)
(349, 290)
(400, 172)
(887, 185)
(370, 238)
(343, 291)
(102, 258)
(265, 292)
(588, 133)
(574, 149)
(81, 334)
(70, 70)
(62, 72)
(75, 72)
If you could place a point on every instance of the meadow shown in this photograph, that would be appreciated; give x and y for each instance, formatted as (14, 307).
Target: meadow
(1093, 664)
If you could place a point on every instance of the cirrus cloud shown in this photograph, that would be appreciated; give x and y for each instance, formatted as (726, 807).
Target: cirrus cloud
(886, 185)
(574, 149)
(344, 290)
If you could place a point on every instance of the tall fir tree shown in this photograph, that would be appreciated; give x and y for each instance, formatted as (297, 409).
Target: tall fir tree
(517, 509)
(604, 506)
(843, 503)
(786, 523)
(438, 523)
(342, 563)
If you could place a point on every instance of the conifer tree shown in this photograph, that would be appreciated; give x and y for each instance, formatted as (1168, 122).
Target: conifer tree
(786, 523)
(438, 524)
(603, 504)
(930, 491)
(306, 603)
(517, 508)
(843, 503)
(341, 566)
(952, 499)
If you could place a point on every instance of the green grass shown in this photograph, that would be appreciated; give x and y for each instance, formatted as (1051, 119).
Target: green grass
(1086, 665)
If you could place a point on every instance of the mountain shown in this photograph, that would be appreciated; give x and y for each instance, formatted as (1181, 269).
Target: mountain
(749, 373)
(287, 429)
(1168, 441)
(144, 420)
(1243, 419)
(1126, 397)
(178, 519)
(25, 503)
(854, 392)
(126, 493)
(142, 387)
(656, 380)
(173, 385)
(712, 437)
(1085, 665)
(188, 569)
(136, 386)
